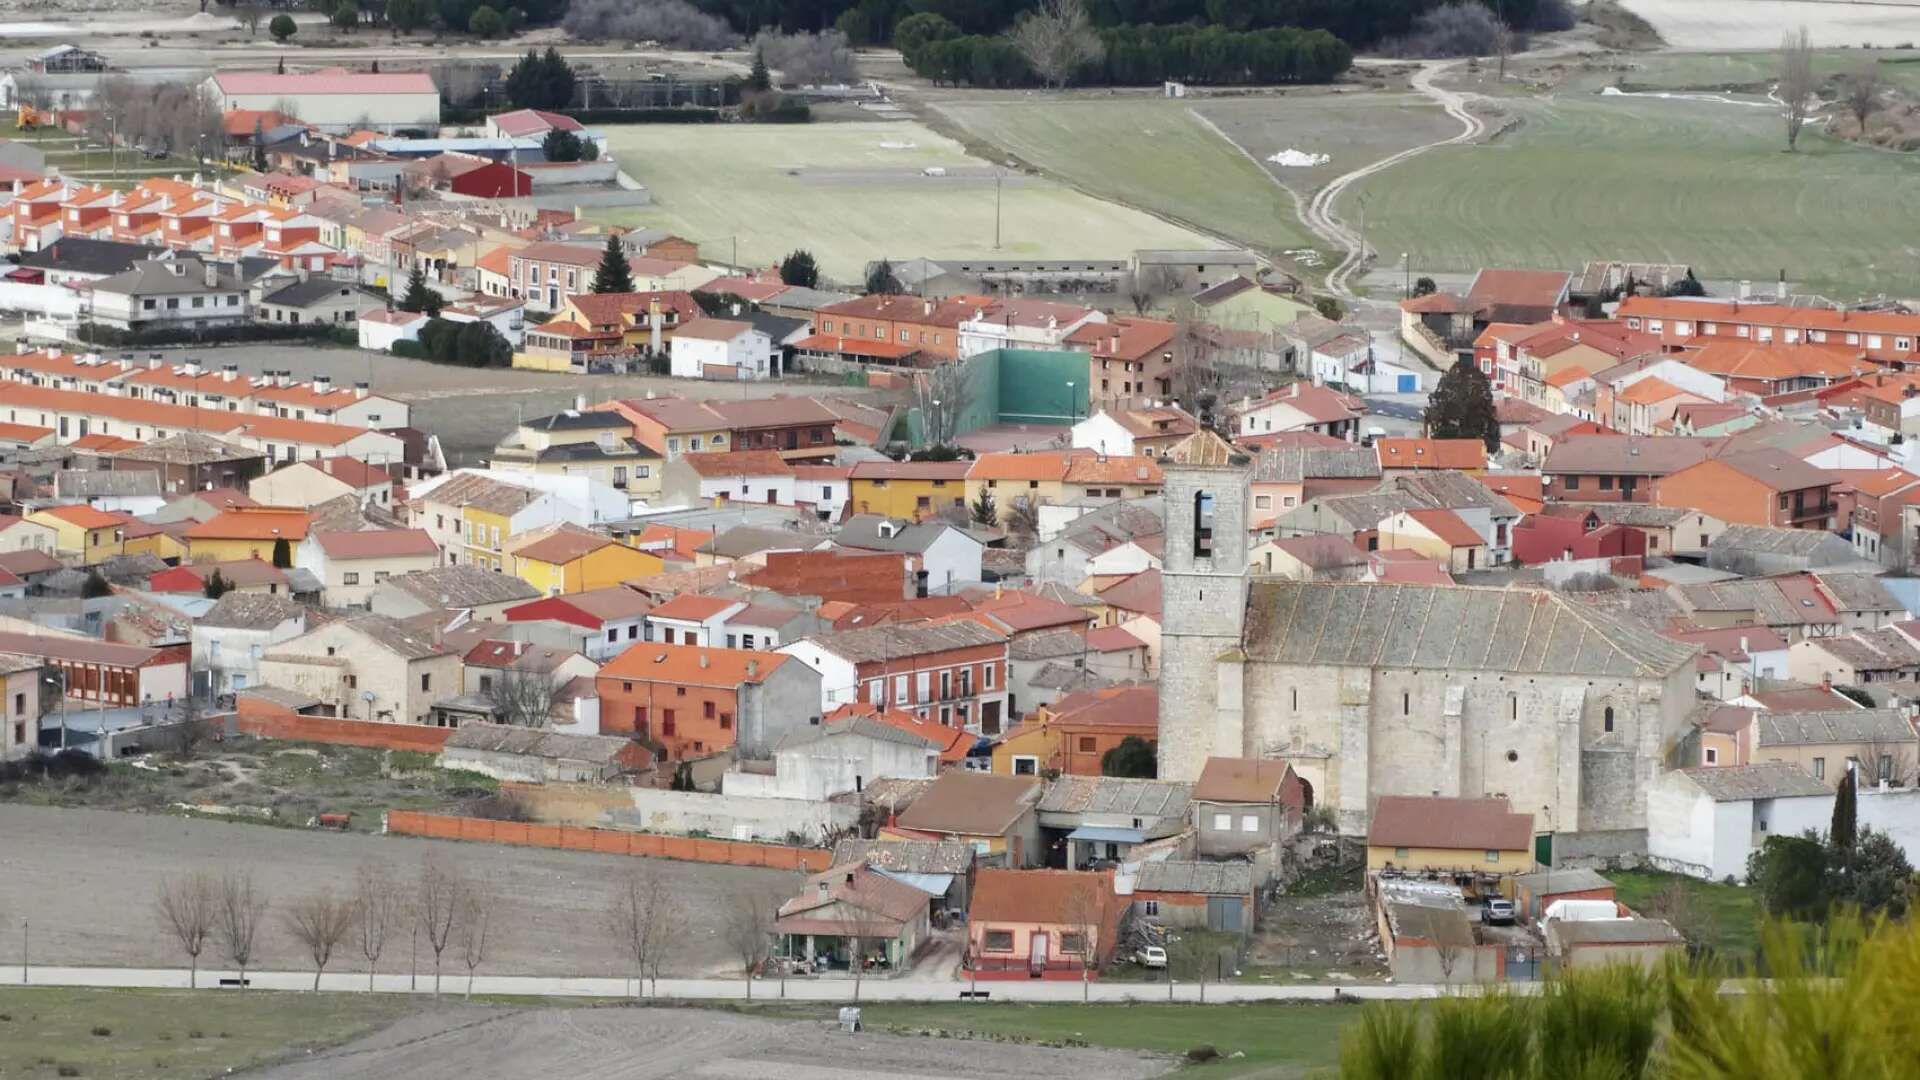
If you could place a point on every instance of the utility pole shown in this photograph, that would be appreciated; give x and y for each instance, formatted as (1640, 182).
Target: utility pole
(998, 174)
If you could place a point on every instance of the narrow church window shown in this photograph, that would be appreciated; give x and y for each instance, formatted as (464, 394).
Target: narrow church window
(1295, 691)
(1606, 718)
(1513, 706)
(1202, 525)
(1406, 704)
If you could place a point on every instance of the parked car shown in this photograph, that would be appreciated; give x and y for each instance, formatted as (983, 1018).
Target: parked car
(1500, 912)
(1152, 956)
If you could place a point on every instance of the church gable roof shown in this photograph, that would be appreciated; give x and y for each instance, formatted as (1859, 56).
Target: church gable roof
(1525, 631)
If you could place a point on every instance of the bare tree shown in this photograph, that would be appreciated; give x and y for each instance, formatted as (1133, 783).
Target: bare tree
(1885, 761)
(1502, 45)
(1796, 82)
(633, 918)
(476, 912)
(187, 906)
(249, 17)
(439, 895)
(1084, 918)
(1682, 910)
(748, 914)
(191, 727)
(1056, 38)
(377, 909)
(1187, 954)
(319, 922)
(864, 926)
(1864, 88)
(241, 907)
(943, 393)
(523, 696)
(669, 932)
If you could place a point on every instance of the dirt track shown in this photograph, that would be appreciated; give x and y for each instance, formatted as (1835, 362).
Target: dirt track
(86, 879)
(630, 1043)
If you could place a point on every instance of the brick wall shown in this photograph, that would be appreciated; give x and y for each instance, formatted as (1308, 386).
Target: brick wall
(269, 721)
(609, 841)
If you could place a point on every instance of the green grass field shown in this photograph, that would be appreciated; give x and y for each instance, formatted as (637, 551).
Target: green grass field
(66, 154)
(856, 191)
(156, 1034)
(1637, 178)
(1732, 912)
(1277, 1040)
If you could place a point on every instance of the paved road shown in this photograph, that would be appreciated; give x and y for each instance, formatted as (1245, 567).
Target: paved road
(909, 988)
(1410, 407)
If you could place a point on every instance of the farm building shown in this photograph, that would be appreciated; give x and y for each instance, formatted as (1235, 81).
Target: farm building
(505, 752)
(335, 99)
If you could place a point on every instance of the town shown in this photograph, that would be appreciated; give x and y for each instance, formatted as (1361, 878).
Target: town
(441, 547)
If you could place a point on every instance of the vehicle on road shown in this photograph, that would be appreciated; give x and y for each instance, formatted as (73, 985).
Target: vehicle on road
(1500, 912)
(1152, 956)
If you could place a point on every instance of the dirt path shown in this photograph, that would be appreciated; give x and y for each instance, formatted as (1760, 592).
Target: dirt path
(1319, 214)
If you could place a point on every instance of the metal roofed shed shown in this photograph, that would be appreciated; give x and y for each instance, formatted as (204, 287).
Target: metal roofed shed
(1194, 876)
(538, 756)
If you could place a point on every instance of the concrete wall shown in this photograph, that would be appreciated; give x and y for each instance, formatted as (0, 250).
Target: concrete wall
(730, 816)
(1419, 962)
(608, 841)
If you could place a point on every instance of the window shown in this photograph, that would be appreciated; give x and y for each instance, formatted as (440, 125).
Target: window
(726, 721)
(986, 669)
(426, 683)
(19, 704)
(1249, 822)
(1513, 706)
(997, 941)
(1263, 502)
(899, 688)
(486, 684)
(1071, 943)
(1087, 744)
(1223, 823)
(1153, 907)
(1573, 483)
(666, 721)
(1406, 704)
(1713, 756)
(350, 579)
(1493, 856)
(1606, 483)
(1606, 719)
(706, 710)
(1400, 853)
(1819, 768)
(1025, 766)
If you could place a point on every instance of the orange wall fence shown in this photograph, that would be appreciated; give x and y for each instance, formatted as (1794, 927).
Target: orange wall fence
(608, 841)
(268, 721)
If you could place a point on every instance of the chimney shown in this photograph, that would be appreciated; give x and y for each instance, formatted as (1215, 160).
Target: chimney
(153, 363)
(323, 384)
(22, 346)
(360, 390)
(1746, 290)
(212, 273)
(579, 403)
(753, 669)
(283, 379)
(190, 369)
(230, 372)
(823, 888)
(1780, 290)
(926, 308)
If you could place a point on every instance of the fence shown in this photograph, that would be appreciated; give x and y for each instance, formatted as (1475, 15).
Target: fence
(266, 723)
(609, 841)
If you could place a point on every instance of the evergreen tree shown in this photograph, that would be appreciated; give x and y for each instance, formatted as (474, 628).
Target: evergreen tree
(283, 27)
(1425, 286)
(1845, 827)
(984, 512)
(216, 585)
(1462, 407)
(95, 587)
(486, 23)
(800, 269)
(759, 80)
(541, 81)
(259, 146)
(418, 296)
(283, 553)
(881, 279)
(1134, 757)
(614, 275)
(562, 145)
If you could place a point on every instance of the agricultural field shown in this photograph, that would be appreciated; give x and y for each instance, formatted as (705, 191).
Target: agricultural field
(157, 1034)
(856, 191)
(81, 159)
(1206, 160)
(1758, 24)
(1704, 182)
(1737, 72)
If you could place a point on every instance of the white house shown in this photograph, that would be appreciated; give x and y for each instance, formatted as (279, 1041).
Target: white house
(824, 487)
(240, 628)
(755, 476)
(335, 99)
(171, 293)
(505, 314)
(1301, 407)
(835, 758)
(1024, 324)
(946, 556)
(1103, 433)
(1705, 822)
(380, 328)
(721, 349)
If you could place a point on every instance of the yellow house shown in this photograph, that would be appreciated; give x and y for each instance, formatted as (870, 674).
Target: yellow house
(486, 532)
(1027, 750)
(568, 559)
(80, 531)
(167, 542)
(248, 532)
(1421, 834)
(597, 444)
(1020, 479)
(908, 489)
(1440, 535)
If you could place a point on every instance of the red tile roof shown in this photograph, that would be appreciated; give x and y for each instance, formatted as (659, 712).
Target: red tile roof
(333, 80)
(253, 523)
(739, 463)
(86, 517)
(1448, 526)
(376, 544)
(692, 665)
(1449, 824)
(1431, 453)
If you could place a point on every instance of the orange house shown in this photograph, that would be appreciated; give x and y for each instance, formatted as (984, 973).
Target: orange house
(1753, 487)
(1041, 924)
(688, 701)
(929, 327)
(1075, 732)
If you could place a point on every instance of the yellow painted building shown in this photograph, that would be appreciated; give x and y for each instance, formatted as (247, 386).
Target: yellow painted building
(143, 539)
(570, 559)
(1445, 835)
(1034, 745)
(908, 489)
(247, 532)
(80, 531)
(1019, 479)
(597, 444)
(486, 533)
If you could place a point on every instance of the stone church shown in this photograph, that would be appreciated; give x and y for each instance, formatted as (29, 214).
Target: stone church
(1377, 689)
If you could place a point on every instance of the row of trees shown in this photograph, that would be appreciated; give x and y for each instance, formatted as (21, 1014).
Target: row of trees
(450, 912)
(1059, 48)
(230, 913)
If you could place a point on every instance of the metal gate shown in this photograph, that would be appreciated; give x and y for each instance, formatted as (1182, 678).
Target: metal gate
(1225, 913)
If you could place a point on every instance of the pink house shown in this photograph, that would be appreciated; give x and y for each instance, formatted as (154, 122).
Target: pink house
(1041, 924)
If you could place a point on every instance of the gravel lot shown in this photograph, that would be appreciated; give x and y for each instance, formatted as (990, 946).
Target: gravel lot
(630, 1043)
(86, 879)
(471, 409)
(1758, 24)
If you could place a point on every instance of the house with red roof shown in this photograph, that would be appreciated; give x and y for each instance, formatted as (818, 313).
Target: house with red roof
(306, 484)
(1441, 535)
(1573, 531)
(1129, 361)
(1401, 456)
(1888, 338)
(615, 617)
(1301, 406)
(351, 564)
(1761, 486)
(688, 701)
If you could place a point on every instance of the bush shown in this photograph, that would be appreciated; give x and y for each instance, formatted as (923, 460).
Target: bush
(1201, 1054)
(1552, 15)
(1146, 55)
(503, 806)
(59, 765)
(807, 59)
(282, 27)
(678, 115)
(674, 23)
(102, 1031)
(1459, 29)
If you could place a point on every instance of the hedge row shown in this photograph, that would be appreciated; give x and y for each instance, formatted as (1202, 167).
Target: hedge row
(96, 335)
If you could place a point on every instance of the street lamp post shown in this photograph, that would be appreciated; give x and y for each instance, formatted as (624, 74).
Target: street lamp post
(1406, 261)
(1073, 407)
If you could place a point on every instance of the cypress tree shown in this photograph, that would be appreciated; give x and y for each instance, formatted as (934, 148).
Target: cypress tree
(1462, 407)
(614, 274)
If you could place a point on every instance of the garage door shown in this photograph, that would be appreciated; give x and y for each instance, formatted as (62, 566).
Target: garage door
(1223, 913)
